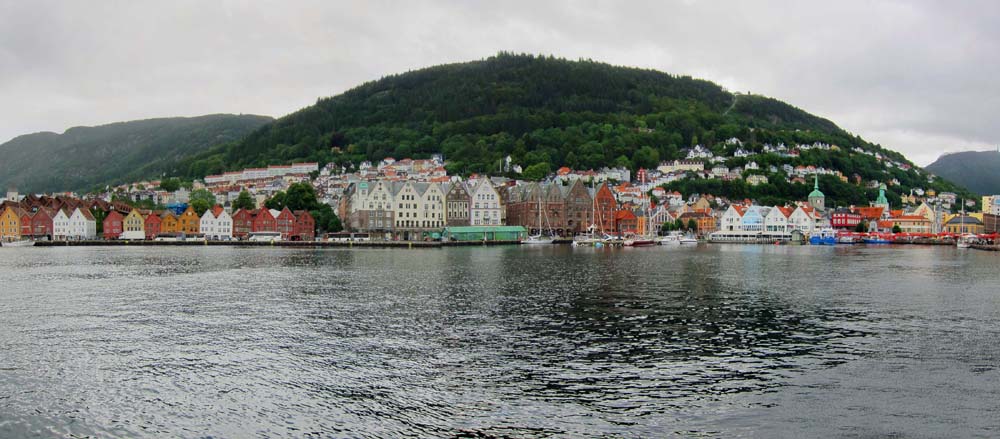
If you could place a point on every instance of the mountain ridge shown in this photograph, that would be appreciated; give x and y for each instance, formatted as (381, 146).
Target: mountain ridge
(83, 157)
(976, 170)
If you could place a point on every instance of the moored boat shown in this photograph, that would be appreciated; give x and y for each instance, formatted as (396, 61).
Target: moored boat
(23, 243)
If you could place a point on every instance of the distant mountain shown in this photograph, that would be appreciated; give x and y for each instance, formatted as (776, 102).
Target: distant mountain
(545, 112)
(979, 171)
(85, 157)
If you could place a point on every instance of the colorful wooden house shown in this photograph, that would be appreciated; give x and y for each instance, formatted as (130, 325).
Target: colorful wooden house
(152, 225)
(243, 221)
(10, 224)
(113, 225)
(264, 221)
(169, 223)
(285, 223)
(134, 226)
(189, 222)
(42, 224)
(305, 226)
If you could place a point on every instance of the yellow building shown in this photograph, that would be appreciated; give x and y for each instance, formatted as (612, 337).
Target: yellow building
(189, 221)
(134, 226)
(964, 224)
(10, 224)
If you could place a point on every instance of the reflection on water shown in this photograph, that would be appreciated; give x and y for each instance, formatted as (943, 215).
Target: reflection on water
(757, 341)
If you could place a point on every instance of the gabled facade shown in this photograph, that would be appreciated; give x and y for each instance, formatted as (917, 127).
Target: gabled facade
(305, 226)
(42, 224)
(457, 205)
(113, 225)
(605, 206)
(82, 225)
(243, 221)
(776, 220)
(189, 222)
(133, 226)
(284, 223)
(10, 224)
(804, 219)
(169, 223)
(264, 221)
(484, 205)
(216, 224)
(60, 225)
(151, 225)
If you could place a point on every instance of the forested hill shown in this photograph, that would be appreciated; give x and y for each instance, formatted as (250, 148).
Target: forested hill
(547, 112)
(977, 170)
(535, 108)
(86, 157)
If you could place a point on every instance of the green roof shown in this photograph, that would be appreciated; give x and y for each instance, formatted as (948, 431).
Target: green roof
(480, 229)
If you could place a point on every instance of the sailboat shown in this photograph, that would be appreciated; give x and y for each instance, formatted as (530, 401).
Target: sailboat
(539, 238)
(644, 239)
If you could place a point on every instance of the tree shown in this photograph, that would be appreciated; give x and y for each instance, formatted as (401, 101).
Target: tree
(301, 196)
(692, 224)
(170, 184)
(678, 224)
(202, 200)
(862, 227)
(276, 202)
(896, 229)
(537, 171)
(244, 201)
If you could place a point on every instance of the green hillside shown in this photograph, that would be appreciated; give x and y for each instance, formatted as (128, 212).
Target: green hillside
(85, 157)
(547, 112)
(977, 170)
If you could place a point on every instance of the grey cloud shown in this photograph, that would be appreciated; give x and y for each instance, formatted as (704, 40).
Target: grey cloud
(917, 77)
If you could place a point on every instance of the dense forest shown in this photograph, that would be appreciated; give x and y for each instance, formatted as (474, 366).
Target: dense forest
(546, 112)
(83, 158)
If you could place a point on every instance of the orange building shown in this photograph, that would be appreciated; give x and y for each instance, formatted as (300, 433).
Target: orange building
(169, 223)
(10, 224)
(189, 222)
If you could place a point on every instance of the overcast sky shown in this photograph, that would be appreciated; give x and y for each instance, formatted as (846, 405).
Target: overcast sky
(920, 78)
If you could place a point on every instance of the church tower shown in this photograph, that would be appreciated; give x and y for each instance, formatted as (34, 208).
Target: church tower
(816, 198)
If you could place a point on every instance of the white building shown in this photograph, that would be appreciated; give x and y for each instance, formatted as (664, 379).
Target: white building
(217, 224)
(79, 225)
(484, 205)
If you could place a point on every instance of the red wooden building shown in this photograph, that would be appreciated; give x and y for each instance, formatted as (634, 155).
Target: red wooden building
(152, 225)
(242, 223)
(263, 221)
(114, 225)
(305, 226)
(285, 223)
(41, 223)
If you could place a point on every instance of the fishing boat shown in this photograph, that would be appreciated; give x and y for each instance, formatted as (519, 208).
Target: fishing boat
(23, 243)
(877, 239)
(824, 237)
(847, 238)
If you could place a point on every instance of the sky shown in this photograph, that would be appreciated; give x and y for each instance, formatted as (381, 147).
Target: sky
(916, 77)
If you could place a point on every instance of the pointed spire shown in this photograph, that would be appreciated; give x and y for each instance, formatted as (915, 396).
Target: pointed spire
(816, 186)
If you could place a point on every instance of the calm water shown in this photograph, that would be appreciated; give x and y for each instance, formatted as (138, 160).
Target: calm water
(731, 341)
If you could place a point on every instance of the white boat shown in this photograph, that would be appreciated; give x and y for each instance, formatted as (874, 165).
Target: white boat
(537, 239)
(24, 243)
(966, 241)
(671, 239)
(689, 240)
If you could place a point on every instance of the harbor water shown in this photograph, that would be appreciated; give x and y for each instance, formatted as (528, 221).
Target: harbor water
(513, 341)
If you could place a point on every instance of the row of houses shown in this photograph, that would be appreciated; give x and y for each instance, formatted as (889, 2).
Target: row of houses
(215, 224)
